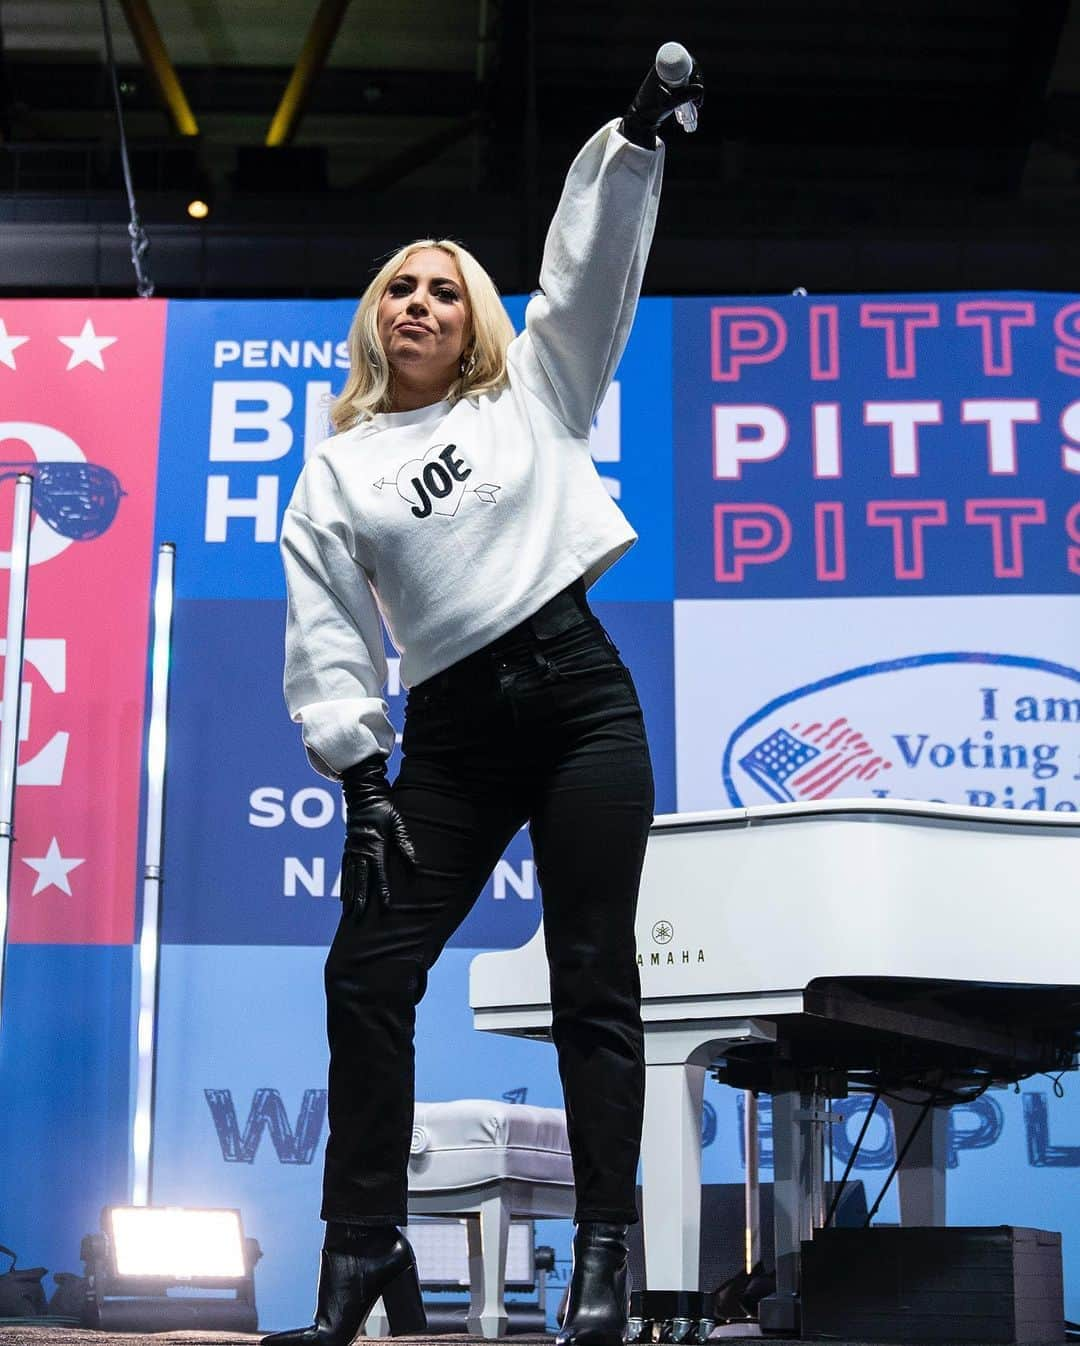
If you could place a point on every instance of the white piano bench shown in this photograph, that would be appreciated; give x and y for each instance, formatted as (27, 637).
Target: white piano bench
(487, 1162)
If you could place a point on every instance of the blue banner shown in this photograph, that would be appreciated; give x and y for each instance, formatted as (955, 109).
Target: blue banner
(254, 836)
(247, 383)
(915, 444)
(65, 1047)
(246, 394)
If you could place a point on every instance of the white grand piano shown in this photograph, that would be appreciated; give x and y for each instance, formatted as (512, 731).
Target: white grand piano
(920, 947)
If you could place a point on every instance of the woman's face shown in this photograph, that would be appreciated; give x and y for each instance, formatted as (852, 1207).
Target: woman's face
(424, 317)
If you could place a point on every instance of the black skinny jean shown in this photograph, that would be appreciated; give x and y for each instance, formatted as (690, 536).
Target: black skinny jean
(541, 726)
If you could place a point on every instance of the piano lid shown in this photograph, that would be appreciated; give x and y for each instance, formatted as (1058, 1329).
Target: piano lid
(962, 815)
(751, 905)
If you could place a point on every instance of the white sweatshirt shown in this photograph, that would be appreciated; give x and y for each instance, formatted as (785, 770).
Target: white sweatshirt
(456, 522)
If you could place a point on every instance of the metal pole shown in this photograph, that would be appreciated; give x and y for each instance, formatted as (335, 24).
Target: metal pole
(753, 1190)
(154, 56)
(13, 666)
(317, 44)
(146, 979)
(815, 1139)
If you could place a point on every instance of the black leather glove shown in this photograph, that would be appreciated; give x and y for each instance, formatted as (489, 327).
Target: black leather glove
(655, 102)
(372, 823)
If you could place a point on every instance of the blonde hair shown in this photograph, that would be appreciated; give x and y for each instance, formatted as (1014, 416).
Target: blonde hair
(369, 387)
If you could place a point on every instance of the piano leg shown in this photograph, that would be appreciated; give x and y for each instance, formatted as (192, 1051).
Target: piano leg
(921, 1177)
(488, 1237)
(671, 1175)
(793, 1184)
(752, 1185)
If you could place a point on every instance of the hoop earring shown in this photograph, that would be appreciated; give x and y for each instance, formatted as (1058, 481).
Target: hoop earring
(467, 367)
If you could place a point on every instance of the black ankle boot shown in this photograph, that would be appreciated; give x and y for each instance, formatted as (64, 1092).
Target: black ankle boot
(357, 1266)
(599, 1300)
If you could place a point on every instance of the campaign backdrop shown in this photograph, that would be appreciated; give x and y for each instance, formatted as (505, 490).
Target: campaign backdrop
(857, 574)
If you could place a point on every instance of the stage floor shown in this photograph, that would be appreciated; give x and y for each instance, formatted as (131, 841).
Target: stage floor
(78, 1336)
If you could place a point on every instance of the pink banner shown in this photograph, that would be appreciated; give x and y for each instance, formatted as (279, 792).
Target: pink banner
(80, 400)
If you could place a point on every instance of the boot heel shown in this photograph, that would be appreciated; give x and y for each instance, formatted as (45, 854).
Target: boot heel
(403, 1304)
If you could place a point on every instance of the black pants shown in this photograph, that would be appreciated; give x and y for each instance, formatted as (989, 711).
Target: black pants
(541, 726)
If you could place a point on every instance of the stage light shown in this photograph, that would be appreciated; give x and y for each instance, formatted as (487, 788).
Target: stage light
(164, 1241)
(145, 1252)
(198, 209)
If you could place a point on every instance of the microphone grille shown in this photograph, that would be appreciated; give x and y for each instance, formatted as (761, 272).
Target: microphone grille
(673, 63)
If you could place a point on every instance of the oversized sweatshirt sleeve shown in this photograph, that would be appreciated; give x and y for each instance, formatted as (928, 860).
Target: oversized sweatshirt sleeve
(590, 276)
(335, 668)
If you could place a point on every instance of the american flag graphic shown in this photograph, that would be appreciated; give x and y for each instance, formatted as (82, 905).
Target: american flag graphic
(812, 761)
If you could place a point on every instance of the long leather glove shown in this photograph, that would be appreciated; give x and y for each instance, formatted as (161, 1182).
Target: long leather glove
(372, 824)
(655, 102)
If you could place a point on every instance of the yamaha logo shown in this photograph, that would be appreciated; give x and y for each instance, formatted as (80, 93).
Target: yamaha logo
(663, 932)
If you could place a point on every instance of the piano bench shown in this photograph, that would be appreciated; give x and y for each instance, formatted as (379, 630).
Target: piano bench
(487, 1162)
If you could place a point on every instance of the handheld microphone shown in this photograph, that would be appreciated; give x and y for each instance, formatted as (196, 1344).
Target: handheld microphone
(674, 64)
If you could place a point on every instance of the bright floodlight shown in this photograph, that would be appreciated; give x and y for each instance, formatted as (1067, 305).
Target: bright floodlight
(144, 1253)
(180, 1244)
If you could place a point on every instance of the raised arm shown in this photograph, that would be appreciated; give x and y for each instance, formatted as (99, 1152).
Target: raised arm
(594, 255)
(335, 668)
(590, 277)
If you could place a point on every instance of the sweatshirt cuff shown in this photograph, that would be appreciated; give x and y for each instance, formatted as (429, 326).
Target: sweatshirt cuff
(639, 137)
(617, 127)
(338, 734)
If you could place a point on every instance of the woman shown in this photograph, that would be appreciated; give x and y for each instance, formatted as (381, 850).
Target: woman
(459, 498)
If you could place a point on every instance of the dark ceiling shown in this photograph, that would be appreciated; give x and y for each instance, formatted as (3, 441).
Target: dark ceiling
(844, 145)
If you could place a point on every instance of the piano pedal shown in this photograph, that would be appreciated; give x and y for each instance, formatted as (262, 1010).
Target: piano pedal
(690, 1330)
(670, 1316)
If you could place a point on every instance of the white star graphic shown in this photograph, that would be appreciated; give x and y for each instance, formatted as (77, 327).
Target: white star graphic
(52, 870)
(9, 345)
(87, 346)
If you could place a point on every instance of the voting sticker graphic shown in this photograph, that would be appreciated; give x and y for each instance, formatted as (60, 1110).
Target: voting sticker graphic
(973, 702)
(978, 728)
